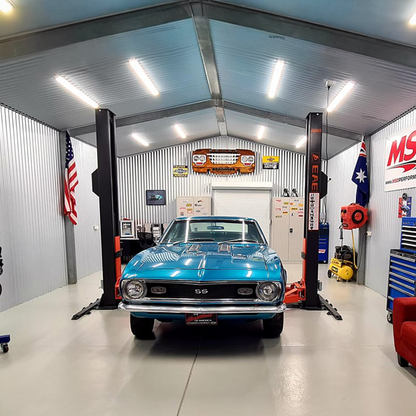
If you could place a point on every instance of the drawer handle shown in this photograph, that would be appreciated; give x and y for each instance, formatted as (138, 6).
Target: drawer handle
(401, 284)
(407, 258)
(401, 290)
(403, 271)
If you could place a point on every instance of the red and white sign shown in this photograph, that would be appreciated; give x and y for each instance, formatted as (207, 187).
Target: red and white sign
(400, 161)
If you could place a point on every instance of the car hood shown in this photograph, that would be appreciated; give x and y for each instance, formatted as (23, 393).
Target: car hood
(201, 262)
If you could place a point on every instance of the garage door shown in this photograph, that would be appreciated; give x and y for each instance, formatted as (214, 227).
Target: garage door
(246, 203)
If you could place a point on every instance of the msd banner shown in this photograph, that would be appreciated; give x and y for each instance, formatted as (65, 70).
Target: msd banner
(401, 160)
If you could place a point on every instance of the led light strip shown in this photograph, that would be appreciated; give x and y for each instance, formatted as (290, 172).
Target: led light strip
(140, 140)
(180, 131)
(70, 87)
(341, 95)
(261, 132)
(301, 142)
(277, 74)
(5, 6)
(143, 76)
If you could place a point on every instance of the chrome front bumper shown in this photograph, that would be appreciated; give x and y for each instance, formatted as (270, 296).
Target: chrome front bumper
(221, 310)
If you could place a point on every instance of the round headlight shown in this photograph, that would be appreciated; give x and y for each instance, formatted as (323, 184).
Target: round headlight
(134, 289)
(202, 158)
(244, 159)
(269, 291)
(250, 159)
(196, 158)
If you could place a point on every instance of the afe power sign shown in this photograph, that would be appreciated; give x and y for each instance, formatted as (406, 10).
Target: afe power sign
(400, 161)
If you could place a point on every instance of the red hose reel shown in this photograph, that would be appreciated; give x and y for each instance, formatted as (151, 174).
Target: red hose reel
(353, 216)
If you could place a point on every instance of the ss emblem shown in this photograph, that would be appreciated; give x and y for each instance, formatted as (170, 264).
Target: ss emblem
(201, 291)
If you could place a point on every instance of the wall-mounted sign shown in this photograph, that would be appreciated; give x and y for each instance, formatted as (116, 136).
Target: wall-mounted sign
(155, 197)
(405, 206)
(400, 163)
(223, 161)
(271, 162)
(180, 171)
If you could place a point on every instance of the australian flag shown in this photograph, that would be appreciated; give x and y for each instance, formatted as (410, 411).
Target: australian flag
(360, 177)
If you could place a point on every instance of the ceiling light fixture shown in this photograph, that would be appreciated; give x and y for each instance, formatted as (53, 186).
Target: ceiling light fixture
(143, 76)
(277, 74)
(5, 6)
(261, 132)
(140, 140)
(75, 91)
(301, 142)
(341, 95)
(180, 131)
(412, 20)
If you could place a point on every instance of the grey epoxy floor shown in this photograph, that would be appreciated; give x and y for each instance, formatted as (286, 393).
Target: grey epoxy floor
(93, 366)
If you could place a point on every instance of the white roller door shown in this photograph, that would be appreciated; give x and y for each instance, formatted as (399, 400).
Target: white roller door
(253, 203)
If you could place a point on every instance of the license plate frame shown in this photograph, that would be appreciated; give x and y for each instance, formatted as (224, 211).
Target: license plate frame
(201, 319)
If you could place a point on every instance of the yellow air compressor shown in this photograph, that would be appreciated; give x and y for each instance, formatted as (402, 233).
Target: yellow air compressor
(343, 264)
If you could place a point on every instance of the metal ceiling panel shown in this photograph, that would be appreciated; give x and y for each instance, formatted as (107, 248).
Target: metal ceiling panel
(245, 59)
(29, 15)
(161, 133)
(383, 19)
(280, 135)
(169, 53)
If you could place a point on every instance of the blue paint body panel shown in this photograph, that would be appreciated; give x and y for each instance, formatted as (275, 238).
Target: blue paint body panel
(206, 262)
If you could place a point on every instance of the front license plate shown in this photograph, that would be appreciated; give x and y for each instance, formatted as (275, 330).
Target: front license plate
(203, 319)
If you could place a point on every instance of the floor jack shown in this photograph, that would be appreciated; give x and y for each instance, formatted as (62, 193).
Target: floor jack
(304, 294)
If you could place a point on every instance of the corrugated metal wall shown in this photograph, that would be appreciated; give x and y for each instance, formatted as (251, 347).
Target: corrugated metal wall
(384, 222)
(153, 170)
(341, 191)
(87, 240)
(31, 225)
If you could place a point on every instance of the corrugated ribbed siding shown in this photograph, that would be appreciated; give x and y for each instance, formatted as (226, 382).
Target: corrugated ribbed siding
(31, 225)
(87, 240)
(384, 222)
(153, 170)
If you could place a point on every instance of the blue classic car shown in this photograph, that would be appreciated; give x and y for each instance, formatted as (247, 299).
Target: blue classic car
(204, 270)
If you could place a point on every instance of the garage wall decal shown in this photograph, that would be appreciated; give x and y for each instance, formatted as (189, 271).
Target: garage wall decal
(223, 161)
(400, 162)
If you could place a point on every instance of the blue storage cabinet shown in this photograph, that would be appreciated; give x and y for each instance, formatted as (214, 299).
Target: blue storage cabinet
(323, 242)
(402, 277)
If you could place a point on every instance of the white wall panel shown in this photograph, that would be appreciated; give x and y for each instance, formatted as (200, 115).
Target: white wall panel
(341, 191)
(153, 170)
(87, 240)
(31, 224)
(384, 222)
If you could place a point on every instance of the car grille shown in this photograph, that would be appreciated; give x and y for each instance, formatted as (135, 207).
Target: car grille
(223, 158)
(196, 291)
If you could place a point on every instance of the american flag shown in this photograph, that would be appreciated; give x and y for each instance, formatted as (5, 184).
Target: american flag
(71, 181)
(360, 177)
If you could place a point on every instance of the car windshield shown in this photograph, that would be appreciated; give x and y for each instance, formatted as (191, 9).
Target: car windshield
(215, 231)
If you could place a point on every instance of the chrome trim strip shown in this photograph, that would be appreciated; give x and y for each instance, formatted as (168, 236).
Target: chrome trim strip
(210, 282)
(221, 310)
(403, 258)
(193, 301)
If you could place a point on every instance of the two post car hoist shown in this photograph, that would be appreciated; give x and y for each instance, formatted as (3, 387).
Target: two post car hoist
(301, 294)
(304, 293)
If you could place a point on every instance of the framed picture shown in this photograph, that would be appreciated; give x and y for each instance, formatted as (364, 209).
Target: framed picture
(155, 197)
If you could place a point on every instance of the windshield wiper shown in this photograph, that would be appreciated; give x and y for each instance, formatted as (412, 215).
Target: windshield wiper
(238, 240)
(200, 239)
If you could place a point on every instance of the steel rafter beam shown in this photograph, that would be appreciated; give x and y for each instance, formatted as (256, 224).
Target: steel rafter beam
(21, 45)
(150, 116)
(290, 120)
(206, 48)
(41, 41)
(311, 32)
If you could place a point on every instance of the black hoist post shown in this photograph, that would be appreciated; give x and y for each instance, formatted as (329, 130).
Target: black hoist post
(104, 183)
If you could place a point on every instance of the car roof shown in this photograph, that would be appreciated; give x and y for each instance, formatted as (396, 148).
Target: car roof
(215, 218)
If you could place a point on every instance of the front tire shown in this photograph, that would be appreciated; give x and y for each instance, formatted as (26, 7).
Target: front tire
(273, 327)
(142, 328)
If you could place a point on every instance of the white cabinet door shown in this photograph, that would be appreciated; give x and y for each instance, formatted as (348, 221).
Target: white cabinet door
(296, 224)
(280, 227)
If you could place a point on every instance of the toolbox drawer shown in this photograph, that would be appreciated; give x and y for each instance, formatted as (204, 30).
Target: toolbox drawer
(402, 275)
